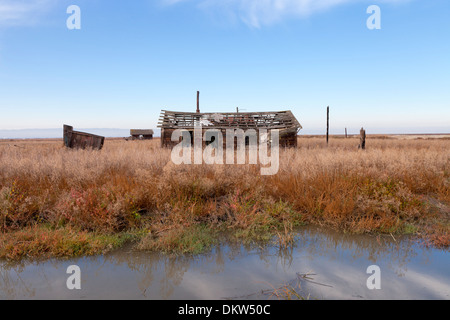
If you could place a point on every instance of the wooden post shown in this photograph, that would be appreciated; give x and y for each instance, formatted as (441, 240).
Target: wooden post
(198, 101)
(328, 122)
(362, 139)
(67, 135)
(345, 133)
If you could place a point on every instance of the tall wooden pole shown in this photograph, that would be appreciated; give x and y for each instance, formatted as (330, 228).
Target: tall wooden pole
(328, 122)
(345, 133)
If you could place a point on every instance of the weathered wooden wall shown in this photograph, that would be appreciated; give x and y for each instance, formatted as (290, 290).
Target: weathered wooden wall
(287, 138)
(81, 140)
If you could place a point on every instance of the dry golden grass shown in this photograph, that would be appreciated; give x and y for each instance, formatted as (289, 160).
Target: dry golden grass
(395, 186)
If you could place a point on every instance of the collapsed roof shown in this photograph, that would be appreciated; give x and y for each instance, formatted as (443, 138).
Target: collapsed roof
(220, 120)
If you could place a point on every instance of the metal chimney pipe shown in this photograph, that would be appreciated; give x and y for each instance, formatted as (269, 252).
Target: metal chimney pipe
(198, 101)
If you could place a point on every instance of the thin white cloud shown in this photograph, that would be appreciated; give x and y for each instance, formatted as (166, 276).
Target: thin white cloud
(23, 12)
(256, 13)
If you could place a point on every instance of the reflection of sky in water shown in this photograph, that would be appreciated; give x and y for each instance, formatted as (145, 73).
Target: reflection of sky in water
(408, 271)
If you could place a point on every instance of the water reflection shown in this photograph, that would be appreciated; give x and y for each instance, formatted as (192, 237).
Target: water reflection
(235, 270)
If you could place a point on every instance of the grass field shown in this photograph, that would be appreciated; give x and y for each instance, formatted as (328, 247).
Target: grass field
(60, 202)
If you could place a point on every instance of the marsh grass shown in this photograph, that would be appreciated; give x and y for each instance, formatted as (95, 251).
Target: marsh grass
(41, 241)
(394, 187)
(293, 290)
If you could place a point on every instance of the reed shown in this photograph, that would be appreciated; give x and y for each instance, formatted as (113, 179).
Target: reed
(394, 186)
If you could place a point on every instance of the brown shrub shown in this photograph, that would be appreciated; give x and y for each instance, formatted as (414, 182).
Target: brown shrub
(379, 189)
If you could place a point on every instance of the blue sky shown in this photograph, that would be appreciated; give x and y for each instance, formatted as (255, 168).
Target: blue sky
(130, 59)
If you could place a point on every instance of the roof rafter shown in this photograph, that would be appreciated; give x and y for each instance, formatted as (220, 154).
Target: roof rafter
(223, 120)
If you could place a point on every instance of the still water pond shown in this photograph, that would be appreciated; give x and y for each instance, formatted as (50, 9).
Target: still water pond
(336, 265)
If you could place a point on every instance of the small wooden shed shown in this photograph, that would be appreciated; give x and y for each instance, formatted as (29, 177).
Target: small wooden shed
(141, 134)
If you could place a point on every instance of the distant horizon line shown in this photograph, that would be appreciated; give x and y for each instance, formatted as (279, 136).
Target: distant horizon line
(57, 133)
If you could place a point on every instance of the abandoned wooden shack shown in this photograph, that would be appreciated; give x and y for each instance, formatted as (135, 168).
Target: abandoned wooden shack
(284, 121)
(141, 134)
(81, 140)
